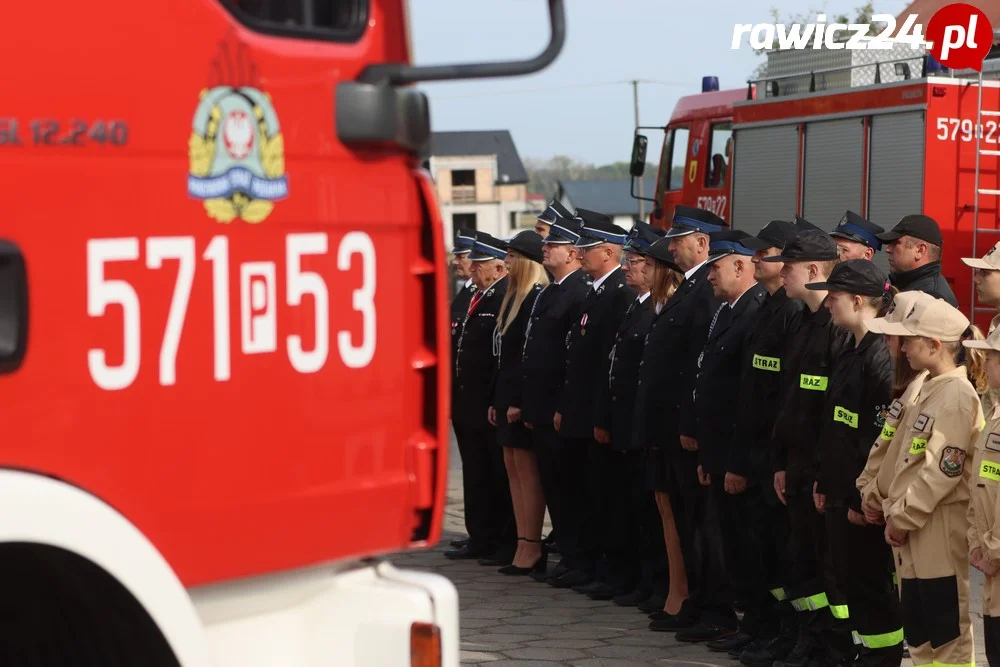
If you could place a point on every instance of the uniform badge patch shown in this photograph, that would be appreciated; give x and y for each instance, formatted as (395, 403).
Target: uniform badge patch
(896, 409)
(922, 422)
(952, 461)
(880, 414)
(993, 442)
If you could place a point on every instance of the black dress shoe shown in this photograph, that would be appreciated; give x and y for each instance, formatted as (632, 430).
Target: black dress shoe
(458, 544)
(772, 651)
(497, 559)
(604, 592)
(705, 632)
(735, 642)
(631, 599)
(588, 587)
(570, 579)
(755, 645)
(467, 552)
(652, 603)
(682, 620)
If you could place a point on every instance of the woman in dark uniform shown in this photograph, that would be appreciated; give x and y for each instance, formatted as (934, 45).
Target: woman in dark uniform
(526, 279)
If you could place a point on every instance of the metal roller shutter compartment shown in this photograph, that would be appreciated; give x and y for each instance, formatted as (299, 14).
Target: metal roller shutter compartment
(765, 181)
(834, 167)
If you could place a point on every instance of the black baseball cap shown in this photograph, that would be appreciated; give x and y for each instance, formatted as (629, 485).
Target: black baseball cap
(804, 224)
(660, 251)
(812, 245)
(528, 243)
(775, 234)
(855, 276)
(860, 230)
(642, 236)
(920, 227)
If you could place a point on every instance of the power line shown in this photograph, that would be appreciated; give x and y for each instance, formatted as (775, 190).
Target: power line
(572, 86)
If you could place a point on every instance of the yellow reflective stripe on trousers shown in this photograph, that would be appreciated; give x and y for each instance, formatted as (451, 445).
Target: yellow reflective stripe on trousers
(883, 640)
(887, 432)
(839, 611)
(952, 664)
(813, 382)
(779, 594)
(918, 446)
(989, 470)
(811, 602)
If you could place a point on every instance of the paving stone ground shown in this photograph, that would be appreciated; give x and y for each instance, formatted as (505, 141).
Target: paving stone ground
(515, 621)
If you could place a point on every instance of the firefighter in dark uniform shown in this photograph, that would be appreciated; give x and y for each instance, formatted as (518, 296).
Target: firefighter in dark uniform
(710, 419)
(766, 554)
(460, 264)
(676, 338)
(588, 348)
(856, 237)
(488, 510)
(809, 258)
(543, 365)
(914, 249)
(859, 589)
(622, 489)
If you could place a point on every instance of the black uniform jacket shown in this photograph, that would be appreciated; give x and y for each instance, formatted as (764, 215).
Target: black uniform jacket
(760, 383)
(808, 349)
(475, 364)
(588, 349)
(543, 361)
(860, 390)
(669, 361)
(509, 378)
(926, 278)
(616, 402)
(712, 417)
(459, 307)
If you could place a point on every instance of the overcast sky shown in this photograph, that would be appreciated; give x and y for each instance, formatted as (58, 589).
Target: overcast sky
(581, 105)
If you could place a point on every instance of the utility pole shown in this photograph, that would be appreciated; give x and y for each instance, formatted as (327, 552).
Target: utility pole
(635, 104)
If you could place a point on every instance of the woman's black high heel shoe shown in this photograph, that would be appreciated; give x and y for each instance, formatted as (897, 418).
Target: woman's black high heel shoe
(540, 565)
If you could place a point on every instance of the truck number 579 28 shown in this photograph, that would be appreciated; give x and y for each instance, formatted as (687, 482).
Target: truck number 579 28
(257, 307)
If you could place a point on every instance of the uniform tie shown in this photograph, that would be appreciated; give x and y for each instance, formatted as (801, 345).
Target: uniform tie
(475, 300)
(531, 316)
(611, 368)
(711, 328)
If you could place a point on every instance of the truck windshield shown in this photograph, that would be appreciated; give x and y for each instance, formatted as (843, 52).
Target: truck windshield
(671, 174)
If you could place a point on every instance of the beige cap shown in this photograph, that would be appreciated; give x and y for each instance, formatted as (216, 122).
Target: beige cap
(992, 342)
(989, 262)
(902, 305)
(930, 318)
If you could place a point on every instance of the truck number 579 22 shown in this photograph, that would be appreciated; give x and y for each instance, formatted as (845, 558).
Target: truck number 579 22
(257, 295)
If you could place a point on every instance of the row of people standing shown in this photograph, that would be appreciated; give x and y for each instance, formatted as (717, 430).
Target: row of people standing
(731, 328)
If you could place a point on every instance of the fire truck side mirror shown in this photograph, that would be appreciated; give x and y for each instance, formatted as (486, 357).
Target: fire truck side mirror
(638, 166)
(13, 307)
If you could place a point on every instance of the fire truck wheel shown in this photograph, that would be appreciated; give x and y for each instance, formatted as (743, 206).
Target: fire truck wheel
(58, 608)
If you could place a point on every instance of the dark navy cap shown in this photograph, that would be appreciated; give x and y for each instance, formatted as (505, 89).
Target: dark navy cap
(464, 241)
(597, 229)
(642, 236)
(920, 227)
(528, 243)
(855, 228)
(728, 242)
(775, 234)
(812, 245)
(660, 251)
(804, 224)
(564, 231)
(855, 276)
(487, 247)
(554, 212)
(688, 220)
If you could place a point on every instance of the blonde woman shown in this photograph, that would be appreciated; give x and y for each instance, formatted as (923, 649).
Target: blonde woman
(526, 279)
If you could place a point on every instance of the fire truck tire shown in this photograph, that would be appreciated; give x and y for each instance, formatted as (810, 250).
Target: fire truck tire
(58, 609)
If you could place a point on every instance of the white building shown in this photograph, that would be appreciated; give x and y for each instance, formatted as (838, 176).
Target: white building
(481, 181)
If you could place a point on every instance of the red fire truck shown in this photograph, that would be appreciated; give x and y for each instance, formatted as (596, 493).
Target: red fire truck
(224, 366)
(885, 134)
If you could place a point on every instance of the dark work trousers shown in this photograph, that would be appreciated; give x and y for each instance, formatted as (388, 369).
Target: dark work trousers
(489, 513)
(744, 557)
(713, 595)
(598, 528)
(549, 452)
(623, 494)
(767, 522)
(578, 530)
(808, 556)
(991, 635)
(858, 573)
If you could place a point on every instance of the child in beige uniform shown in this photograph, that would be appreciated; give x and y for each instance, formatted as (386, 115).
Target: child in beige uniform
(984, 529)
(928, 498)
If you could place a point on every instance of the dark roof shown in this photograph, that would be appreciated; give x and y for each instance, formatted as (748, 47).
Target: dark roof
(483, 142)
(608, 197)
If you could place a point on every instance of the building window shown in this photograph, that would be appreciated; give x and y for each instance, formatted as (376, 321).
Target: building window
(463, 186)
(335, 20)
(462, 221)
(719, 142)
